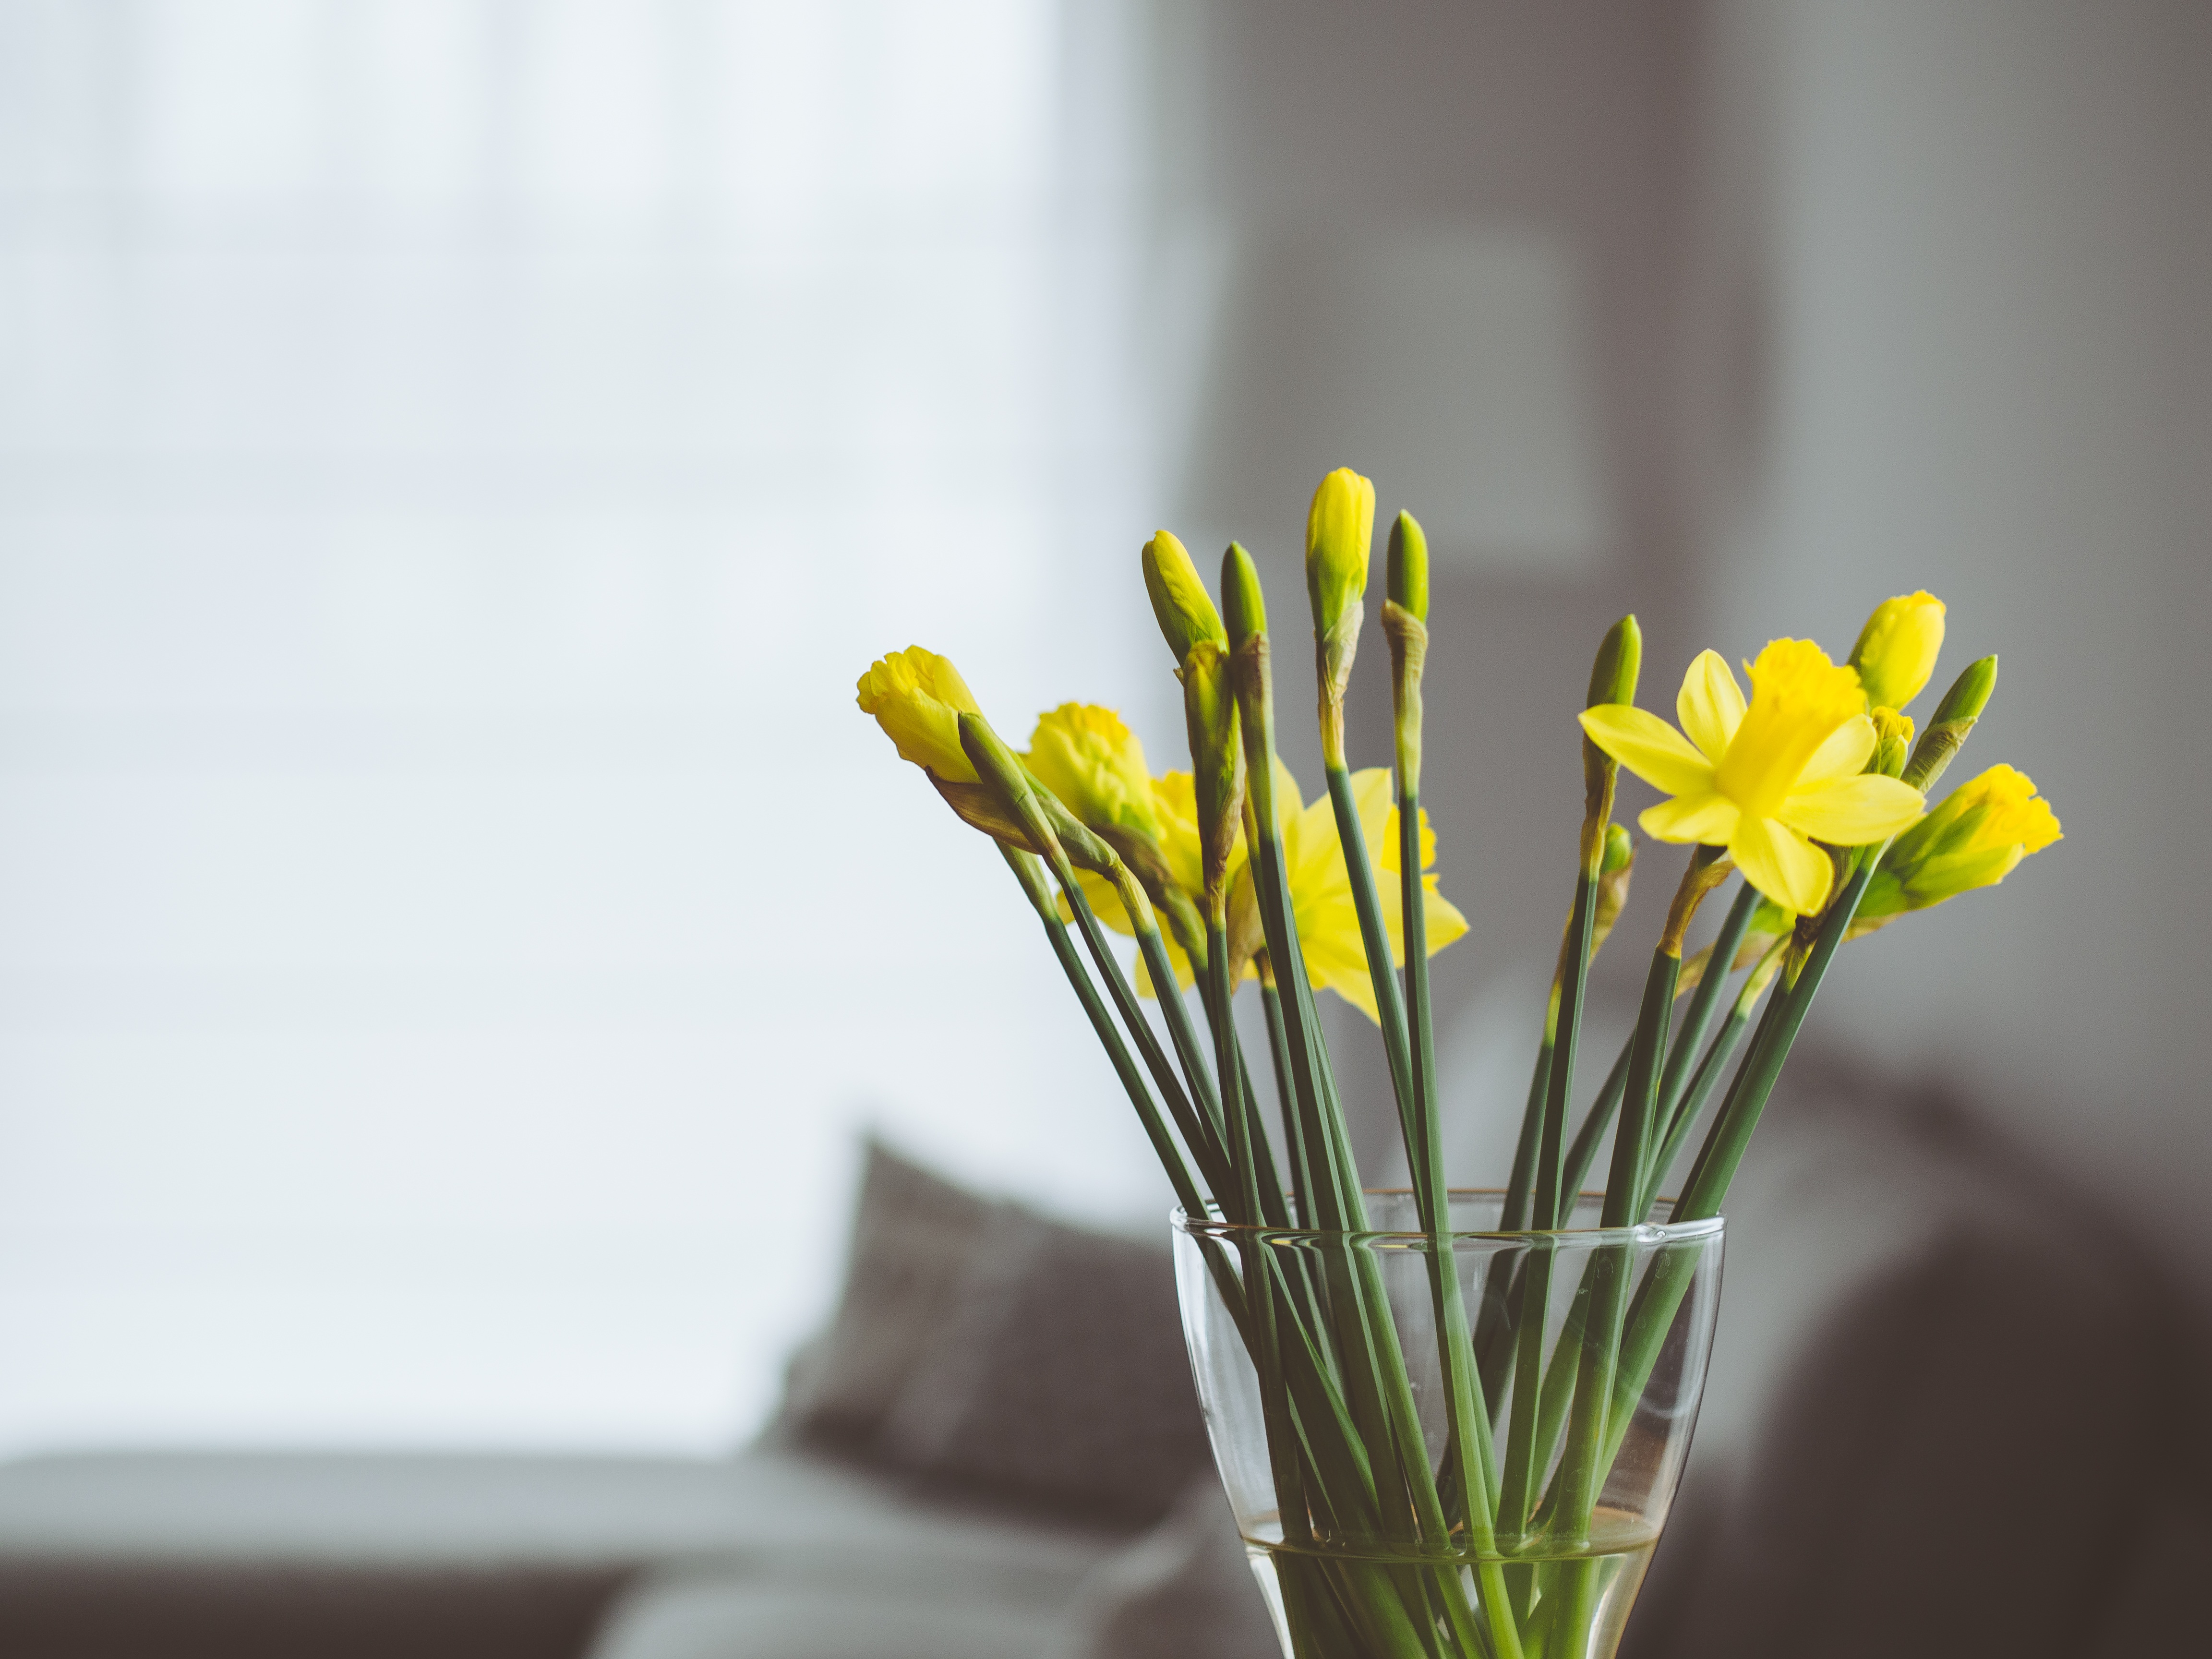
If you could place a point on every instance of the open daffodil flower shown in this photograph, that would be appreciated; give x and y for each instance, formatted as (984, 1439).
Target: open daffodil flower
(1767, 780)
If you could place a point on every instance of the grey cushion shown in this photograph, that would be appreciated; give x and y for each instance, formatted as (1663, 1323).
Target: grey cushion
(914, 1236)
(1059, 1375)
(720, 1616)
(1931, 1412)
(1185, 1587)
(488, 1557)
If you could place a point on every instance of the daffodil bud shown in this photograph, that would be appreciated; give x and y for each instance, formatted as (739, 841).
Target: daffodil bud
(1244, 606)
(1340, 539)
(1620, 660)
(1000, 773)
(1209, 703)
(1612, 680)
(1897, 649)
(1892, 742)
(1952, 721)
(1180, 601)
(918, 697)
(1975, 838)
(1046, 824)
(1407, 570)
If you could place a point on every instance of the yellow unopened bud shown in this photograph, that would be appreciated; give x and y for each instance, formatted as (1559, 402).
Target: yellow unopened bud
(1339, 538)
(1180, 601)
(1892, 734)
(1975, 838)
(918, 697)
(1088, 757)
(1897, 649)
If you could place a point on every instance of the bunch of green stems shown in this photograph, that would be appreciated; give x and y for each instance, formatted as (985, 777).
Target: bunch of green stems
(1530, 1435)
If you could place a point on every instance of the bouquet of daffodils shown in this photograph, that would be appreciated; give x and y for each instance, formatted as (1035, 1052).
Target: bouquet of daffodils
(1813, 790)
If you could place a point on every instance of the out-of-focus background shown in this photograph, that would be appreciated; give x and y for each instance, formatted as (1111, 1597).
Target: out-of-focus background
(457, 455)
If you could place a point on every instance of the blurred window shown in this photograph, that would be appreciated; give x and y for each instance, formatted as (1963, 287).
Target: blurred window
(455, 458)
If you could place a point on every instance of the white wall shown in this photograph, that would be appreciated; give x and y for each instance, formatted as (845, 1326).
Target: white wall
(1962, 284)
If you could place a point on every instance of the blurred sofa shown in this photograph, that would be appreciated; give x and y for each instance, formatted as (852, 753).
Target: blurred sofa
(1940, 1420)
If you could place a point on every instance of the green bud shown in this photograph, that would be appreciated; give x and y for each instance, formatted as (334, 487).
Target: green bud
(1970, 693)
(1244, 605)
(1620, 849)
(1620, 658)
(1046, 824)
(1408, 568)
(1954, 720)
(1180, 601)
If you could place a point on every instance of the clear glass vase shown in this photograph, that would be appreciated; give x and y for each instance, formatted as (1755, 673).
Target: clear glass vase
(1358, 1386)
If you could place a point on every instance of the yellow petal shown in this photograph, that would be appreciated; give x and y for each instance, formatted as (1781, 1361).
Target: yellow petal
(1370, 797)
(1710, 706)
(1357, 989)
(1852, 812)
(1440, 918)
(918, 697)
(1798, 699)
(1648, 747)
(1782, 864)
(1844, 754)
(1089, 758)
(1707, 817)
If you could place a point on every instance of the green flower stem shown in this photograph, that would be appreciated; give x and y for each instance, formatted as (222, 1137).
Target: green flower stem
(1271, 1002)
(1602, 1298)
(1208, 1153)
(1516, 1480)
(1559, 1085)
(1156, 1129)
(1516, 1486)
(1183, 1035)
(1632, 1146)
(1359, 1320)
(1652, 1312)
(1583, 1152)
(1704, 1002)
(1754, 1080)
(1520, 1185)
(1336, 1200)
(1469, 1415)
(1374, 937)
(1217, 1000)
(1707, 1077)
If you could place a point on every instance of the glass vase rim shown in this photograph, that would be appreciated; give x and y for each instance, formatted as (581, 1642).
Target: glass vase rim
(1643, 1233)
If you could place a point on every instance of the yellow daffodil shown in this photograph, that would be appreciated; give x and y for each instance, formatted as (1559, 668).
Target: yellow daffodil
(1089, 758)
(1975, 838)
(918, 697)
(1320, 885)
(1896, 648)
(1764, 781)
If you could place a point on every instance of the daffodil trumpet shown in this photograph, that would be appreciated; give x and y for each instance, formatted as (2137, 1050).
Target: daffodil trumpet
(1813, 787)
